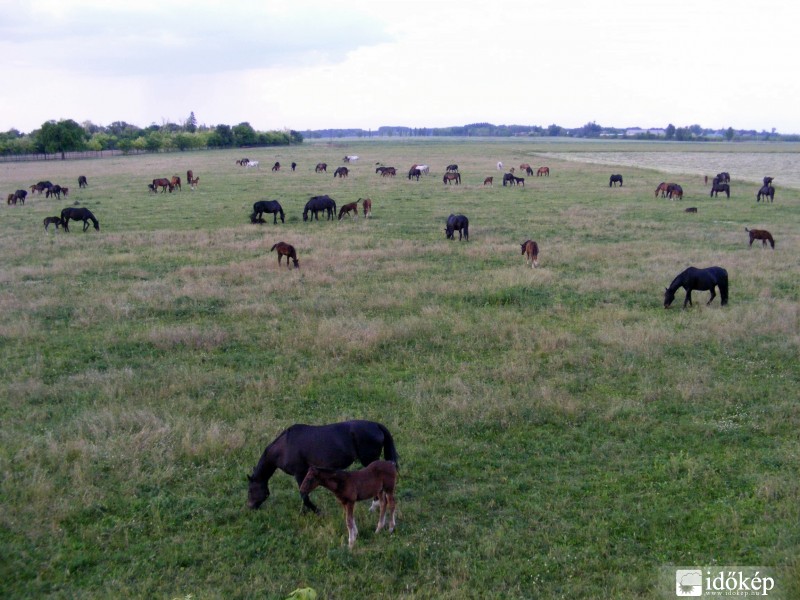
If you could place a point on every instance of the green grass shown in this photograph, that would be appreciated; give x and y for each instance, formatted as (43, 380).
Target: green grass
(561, 435)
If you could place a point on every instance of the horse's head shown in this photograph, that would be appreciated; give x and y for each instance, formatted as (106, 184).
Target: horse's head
(257, 492)
(669, 296)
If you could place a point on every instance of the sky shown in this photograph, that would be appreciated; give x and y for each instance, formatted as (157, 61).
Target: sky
(321, 64)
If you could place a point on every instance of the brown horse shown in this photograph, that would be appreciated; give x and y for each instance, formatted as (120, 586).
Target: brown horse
(276, 167)
(379, 479)
(288, 251)
(531, 251)
(366, 207)
(176, 182)
(341, 172)
(189, 176)
(346, 209)
(543, 172)
(489, 181)
(163, 183)
(524, 167)
(452, 176)
(760, 234)
(321, 168)
(82, 183)
(662, 189)
(194, 182)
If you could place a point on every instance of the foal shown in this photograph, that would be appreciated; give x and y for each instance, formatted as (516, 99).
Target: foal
(366, 207)
(379, 479)
(531, 251)
(288, 251)
(760, 234)
(52, 221)
(346, 208)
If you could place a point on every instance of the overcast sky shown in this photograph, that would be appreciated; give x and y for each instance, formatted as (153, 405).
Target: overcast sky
(421, 63)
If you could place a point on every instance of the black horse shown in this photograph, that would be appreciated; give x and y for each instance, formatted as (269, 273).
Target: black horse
(414, 173)
(615, 179)
(457, 222)
(698, 279)
(767, 191)
(335, 446)
(509, 179)
(720, 187)
(317, 204)
(267, 206)
(78, 214)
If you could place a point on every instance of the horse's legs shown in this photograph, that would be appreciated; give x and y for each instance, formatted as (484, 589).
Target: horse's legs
(392, 506)
(688, 299)
(350, 520)
(382, 514)
(713, 295)
(85, 225)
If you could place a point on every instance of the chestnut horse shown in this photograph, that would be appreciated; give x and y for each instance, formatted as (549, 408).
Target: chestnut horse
(367, 207)
(543, 172)
(531, 251)
(378, 478)
(489, 181)
(760, 234)
(346, 209)
(288, 251)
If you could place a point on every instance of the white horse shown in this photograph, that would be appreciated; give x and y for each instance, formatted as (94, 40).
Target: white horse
(499, 166)
(252, 163)
(424, 169)
(349, 159)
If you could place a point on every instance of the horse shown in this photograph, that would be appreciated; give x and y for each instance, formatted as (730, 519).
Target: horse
(459, 223)
(519, 181)
(531, 251)
(529, 171)
(176, 182)
(41, 186)
(766, 191)
(189, 176)
(346, 209)
(524, 167)
(720, 187)
(691, 209)
(414, 172)
(55, 190)
(242, 161)
(499, 165)
(350, 159)
(78, 214)
(18, 196)
(451, 168)
(65, 191)
(193, 183)
(543, 172)
(321, 168)
(341, 172)
(389, 172)
(450, 177)
(378, 478)
(276, 167)
(760, 234)
(52, 221)
(367, 207)
(768, 180)
(615, 179)
(267, 206)
(162, 183)
(698, 279)
(294, 166)
(82, 183)
(509, 179)
(334, 446)
(723, 177)
(674, 191)
(317, 204)
(424, 169)
(489, 181)
(288, 251)
(251, 164)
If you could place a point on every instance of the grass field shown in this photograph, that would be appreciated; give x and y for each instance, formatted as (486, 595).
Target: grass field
(561, 435)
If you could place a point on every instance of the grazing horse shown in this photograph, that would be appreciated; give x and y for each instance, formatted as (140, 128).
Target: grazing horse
(252, 164)
(55, 190)
(350, 159)
(698, 279)
(176, 182)
(317, 204)
(341, 172)
(450, 177)
(519, 181)
(288, 251)
(82, 183)
(543, 172)
(424, 169)
(242, 161)
(674, 191)
(78, 214)
(346, 209)
(760, 234)
(193, 183)
(489, 181)
(189, 176)
(720, 187)
(276, 167)
(525, 167)
(41, 186)
(457, 222)
(267, 206)
(18, 196)
(389, 172)
(767, 191)
(452, 168)
(615, 179)
(52, 221)
(162, 183)
(335, 446)
(414, 172)
(366, 207)
(529, 171)
(531, 251)
(378, 478)
(662, 188)
(321, 168)
(509, 179)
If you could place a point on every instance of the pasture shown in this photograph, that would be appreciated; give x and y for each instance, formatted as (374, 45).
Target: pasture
(560, 434)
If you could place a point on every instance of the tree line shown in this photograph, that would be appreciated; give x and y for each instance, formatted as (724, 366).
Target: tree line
(59, 137)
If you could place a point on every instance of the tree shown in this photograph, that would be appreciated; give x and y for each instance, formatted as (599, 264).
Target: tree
(191, 123)
(729, 133)
(244, 134)
(64, 136)
(669, 132)
(554, 130)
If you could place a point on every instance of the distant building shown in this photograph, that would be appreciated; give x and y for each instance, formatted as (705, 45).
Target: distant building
(636, 132)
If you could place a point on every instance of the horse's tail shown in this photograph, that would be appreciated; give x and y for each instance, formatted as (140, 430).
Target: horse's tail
(389, 451)
(273, 247)
(747, 230)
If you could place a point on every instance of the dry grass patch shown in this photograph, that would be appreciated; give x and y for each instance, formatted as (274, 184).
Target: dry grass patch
(206, 338)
